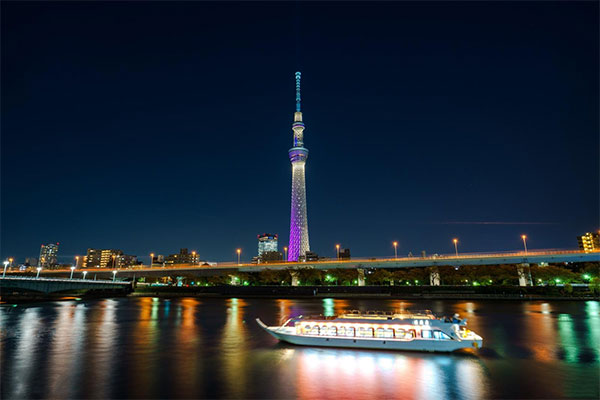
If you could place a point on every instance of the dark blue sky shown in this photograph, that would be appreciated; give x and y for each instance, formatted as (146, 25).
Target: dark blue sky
(150, 127)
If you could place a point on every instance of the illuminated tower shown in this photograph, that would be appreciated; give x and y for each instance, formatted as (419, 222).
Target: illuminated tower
(298, 245)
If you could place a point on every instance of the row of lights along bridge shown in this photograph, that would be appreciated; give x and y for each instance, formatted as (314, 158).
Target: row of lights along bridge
(238, 253)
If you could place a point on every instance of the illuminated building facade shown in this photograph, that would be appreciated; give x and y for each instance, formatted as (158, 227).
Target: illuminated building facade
(589, 242)
(266, 243)
(102, 258)
(48, 255)
(298, 244)
(183, 257)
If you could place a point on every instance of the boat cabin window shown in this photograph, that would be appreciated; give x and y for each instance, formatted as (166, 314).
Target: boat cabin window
(350, 331)
(332, 331)
(365, 332)
(427, 334)
(323, 330)
(439, 335)
(314, 330)
(384, 333)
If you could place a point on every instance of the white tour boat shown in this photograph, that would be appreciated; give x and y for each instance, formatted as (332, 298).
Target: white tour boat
(418, 331)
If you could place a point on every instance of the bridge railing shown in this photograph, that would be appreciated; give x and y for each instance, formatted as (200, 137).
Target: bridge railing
(461, 256)
(28, 278)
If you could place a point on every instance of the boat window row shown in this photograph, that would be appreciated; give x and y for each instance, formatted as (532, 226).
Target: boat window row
(369, 332)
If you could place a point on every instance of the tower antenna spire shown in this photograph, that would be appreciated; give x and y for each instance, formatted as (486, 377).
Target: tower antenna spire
(298, 91)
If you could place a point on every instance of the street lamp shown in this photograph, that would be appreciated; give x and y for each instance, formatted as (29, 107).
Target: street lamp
(84, 274)
(395, 249)
(76, 261)
(114, 275)
(524, 237)
(114, 257)
(5, 265)
(10, 260)
(38, 272)
(72, 269)
(337, 249)
(151, 259)
(285, 251)
(239, 253)
(455, 241)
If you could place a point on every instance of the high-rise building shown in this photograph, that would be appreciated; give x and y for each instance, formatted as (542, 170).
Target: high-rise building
(298, 244)
(589, 241)
(183, 257)
(126, 260)
(102, 258)
(48, 255)
(266, 242)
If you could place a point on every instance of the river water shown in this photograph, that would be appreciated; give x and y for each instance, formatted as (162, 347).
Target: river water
(212, 348)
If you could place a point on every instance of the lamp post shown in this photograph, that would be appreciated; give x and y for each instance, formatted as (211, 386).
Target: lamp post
(524, 237)
(337, 250)
(72, 270)
(455, 241)
(151, 259)
(84, 274)
(285, 251)
(76, 261)
(114, 257)
(114, 275)
(10, 260)
(239, 253)
(5, 265)
(38, 272)
(395, 249)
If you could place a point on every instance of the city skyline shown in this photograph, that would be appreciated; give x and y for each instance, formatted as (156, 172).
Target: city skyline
(417, 137)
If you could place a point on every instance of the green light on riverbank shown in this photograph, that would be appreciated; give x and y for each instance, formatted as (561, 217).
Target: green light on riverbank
(586, 276)
(557, 280)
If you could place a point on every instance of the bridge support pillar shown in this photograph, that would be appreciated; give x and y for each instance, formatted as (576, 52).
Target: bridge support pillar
(361, 277)
(434, 277)
(524, 275)
(295, 275)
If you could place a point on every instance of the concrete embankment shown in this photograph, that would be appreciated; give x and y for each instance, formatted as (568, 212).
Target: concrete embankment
(378, 292)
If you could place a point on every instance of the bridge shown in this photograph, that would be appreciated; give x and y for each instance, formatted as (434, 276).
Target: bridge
(515, 258)
(52, 285)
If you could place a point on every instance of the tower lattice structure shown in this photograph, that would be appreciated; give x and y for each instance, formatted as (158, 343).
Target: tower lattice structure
(299, 244)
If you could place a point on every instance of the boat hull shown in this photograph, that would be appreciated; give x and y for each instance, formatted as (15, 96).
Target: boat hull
(372, 343)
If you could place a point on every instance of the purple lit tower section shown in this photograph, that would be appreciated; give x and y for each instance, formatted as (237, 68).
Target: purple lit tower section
(298, 245)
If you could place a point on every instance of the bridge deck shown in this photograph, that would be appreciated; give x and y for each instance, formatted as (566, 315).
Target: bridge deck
(50, 285)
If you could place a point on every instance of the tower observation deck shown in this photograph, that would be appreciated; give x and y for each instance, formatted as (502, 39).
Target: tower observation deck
(298, 244)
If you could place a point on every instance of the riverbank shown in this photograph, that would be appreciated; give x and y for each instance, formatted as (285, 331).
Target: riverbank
(511, 293)
(374, 292)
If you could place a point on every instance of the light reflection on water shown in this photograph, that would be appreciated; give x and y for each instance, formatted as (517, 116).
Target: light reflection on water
(210, 348)
(332, 373)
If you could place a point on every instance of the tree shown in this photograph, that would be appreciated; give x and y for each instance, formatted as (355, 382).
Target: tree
(344, 276)
(380, 277)
(595, 286)
(552, 274)
(309, 276)
(270, 277)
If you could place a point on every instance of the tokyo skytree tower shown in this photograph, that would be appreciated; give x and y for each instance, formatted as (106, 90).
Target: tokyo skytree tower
(298, 245)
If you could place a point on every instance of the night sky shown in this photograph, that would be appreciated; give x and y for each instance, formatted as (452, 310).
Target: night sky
(148, 127)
